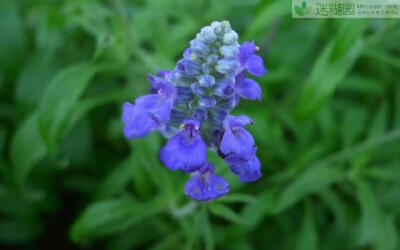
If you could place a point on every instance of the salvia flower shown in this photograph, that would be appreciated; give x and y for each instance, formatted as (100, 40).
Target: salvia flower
(187, 150)
(205, 185)
(191, 105)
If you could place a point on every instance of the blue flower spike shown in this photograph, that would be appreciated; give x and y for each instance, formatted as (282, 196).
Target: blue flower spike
(192, 104)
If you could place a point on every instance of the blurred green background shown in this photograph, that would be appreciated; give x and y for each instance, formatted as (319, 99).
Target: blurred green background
(327, 128)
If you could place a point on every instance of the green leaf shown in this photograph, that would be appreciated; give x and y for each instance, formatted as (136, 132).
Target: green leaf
(383, 56)
(227, 213)
(362, 84)
(330, 68)
(33, 80)
(27, 148)
(116, 179)
(59, 100)
(255, 212)
(157, 173)
(112, 216)
(308, 237)
(206, 229)
(245, 198)
(311, 181)
(266, 16)
(379, 123)
(376, 227)
(397, 106)
(350, 130)
(12, 41)
(385, 172)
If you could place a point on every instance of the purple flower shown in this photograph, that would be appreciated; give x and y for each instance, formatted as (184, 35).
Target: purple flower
(249, 60)
(247, 170)
(236, 139)
(187, 150)
(191, 106)
(150, 112)
(205, 185)
(247, 88)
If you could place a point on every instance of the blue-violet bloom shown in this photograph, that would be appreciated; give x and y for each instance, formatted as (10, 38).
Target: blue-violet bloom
(248, 170)
(191, 106)
(187, 150)
(205, 185)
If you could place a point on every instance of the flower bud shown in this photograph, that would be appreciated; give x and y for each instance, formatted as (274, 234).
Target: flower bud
(206, 81)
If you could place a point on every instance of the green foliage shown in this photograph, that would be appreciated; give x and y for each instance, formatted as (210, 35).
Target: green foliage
(327, 130)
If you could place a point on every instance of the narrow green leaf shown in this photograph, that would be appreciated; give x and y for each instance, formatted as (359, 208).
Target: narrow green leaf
(308, 237)
(379, 123)
(112, 216)
(255, 212)
(397, 106)
(362, 84)
(245, 198)
(33, 80)
(266, 16)
(387, 172)
(376, 227)
(116, 180)
(330, 68)
(59, 100)
(27, 148)
(310, 181)
(227, 213)
(350, 130)
(207, 230)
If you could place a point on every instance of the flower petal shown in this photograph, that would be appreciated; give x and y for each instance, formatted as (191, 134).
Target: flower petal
(137, 122)
(248, 89)
(186, 154)
(157, 105)
(246, 50)
(240, 142)
(255, 65)
(240, 120)
(248, 171)
(207, 187)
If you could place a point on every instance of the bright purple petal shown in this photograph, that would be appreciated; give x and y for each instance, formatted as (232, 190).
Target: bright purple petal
(186, 151)
(137, 122)
(236, 139)
(248, 89)
(239, 142)
(248, 171)
(246, 50)
(240, 120)
(157, 105)
(255, 65)
(204, 185)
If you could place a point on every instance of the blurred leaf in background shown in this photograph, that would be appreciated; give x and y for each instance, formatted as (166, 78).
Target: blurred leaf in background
(328, 130)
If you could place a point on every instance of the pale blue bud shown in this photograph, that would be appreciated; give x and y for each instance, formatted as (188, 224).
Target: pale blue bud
(229, 50)
(206, 81)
